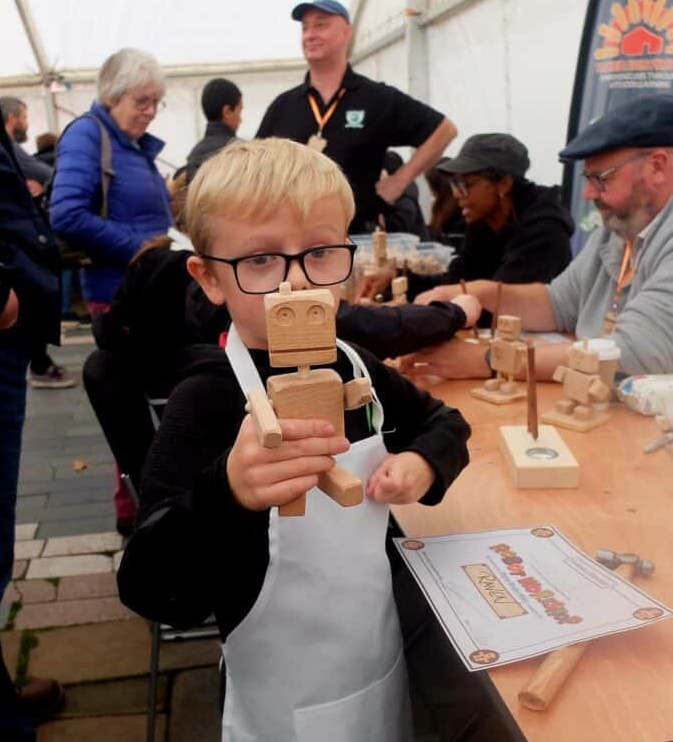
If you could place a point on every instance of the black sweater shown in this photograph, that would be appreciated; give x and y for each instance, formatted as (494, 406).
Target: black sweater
(197, 551)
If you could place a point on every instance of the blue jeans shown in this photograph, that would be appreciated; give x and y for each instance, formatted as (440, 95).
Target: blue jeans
(13, 365)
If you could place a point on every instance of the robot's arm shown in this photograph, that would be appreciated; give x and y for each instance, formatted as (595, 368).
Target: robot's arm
(599, 391)
(266, 423)
(357, 393)
(559, 373)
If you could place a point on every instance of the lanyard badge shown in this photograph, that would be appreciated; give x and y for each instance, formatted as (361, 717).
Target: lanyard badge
(626, 273)
(317, 141)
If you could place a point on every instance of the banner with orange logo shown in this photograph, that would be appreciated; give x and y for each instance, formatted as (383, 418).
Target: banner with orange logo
(626, 52)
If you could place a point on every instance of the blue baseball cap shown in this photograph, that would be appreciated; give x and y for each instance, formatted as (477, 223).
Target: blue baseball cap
(327, 6)
(644, 122)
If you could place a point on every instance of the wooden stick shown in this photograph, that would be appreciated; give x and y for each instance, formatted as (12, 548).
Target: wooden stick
(475, 331)
(549, 677)
(494, 318)
(532, 391)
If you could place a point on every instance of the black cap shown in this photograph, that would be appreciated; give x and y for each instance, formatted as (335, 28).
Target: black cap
(645, 122)
(500, 152)
(327, 6)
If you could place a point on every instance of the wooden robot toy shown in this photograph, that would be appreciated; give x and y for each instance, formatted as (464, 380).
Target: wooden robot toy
(508, 355)
(382, 271)
(583, 388)
(301, 331)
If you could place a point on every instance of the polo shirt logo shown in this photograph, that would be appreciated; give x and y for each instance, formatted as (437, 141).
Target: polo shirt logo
(355, 119)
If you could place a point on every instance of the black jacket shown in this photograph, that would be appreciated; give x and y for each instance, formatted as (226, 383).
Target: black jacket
(533, 246)
(218, 134)
(197, 550)
(29, 259)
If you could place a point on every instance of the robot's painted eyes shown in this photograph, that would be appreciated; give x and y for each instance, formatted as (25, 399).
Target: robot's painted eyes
(285, 316)
(316, 314)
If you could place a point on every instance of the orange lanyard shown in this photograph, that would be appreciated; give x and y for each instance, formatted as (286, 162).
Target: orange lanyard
(625, 274)
(626, 271)
(322, 120)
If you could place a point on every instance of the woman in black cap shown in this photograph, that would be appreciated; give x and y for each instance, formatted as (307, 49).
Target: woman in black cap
(517, 231)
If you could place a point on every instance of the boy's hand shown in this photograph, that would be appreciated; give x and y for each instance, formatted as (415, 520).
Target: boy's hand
(263, 477)
(402, 478)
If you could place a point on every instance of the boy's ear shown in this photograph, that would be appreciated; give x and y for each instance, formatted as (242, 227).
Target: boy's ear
(200, 272)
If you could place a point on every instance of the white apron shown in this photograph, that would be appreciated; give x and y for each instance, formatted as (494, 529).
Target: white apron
(319, 656)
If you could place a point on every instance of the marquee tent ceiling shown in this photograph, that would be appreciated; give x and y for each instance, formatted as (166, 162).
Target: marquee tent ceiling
(78, 35)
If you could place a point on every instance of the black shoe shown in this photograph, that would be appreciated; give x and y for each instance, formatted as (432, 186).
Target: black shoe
(40, 698)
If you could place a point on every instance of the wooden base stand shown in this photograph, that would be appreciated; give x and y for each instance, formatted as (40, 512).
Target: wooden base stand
(498, 397)
(554, 417)
(542, 463)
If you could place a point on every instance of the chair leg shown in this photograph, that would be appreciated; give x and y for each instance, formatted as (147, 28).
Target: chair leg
(154, 678)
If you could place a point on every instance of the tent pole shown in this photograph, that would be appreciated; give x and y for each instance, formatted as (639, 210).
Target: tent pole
(416, 49)
(23, 7)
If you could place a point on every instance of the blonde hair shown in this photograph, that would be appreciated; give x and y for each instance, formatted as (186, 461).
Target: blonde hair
(252, 180)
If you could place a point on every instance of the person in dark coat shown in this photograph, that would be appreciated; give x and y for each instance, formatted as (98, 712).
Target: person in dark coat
(222, 104)
(29, 316)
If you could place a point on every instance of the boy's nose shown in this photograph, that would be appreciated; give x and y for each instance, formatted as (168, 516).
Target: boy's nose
(297, 278)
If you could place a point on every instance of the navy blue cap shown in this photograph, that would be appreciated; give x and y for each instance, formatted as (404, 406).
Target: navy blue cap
(644, 122)
(327, 6)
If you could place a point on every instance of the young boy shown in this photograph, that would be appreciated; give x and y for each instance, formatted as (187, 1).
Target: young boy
(312, 642)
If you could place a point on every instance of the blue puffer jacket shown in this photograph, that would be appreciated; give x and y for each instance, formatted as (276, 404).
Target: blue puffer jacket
(138, 202)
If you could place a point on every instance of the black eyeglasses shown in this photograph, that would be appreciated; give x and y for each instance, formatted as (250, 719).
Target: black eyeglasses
(324, 265)
(600, 180)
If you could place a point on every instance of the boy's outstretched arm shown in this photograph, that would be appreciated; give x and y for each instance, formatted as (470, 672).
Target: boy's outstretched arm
(422, 428)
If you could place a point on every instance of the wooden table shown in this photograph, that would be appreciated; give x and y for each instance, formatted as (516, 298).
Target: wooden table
(622, 689)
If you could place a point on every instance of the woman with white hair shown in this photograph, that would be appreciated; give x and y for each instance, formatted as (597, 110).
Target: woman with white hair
(131, 86)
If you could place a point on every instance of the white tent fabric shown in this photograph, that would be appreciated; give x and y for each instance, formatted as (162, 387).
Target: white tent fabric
(80, 35)
(490, 65)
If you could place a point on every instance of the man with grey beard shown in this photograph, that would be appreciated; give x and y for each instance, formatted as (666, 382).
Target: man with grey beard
(621, 285)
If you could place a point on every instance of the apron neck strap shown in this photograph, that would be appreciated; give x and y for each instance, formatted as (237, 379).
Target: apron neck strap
(244, 369)
(248, 376)
(360, 371)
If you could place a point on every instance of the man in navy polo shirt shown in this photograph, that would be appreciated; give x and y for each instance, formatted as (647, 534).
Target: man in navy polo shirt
(353, 119)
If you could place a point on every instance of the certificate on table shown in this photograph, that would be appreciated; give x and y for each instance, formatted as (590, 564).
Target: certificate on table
(506, 595)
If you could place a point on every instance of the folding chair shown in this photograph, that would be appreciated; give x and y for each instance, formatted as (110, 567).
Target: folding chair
(163, 632)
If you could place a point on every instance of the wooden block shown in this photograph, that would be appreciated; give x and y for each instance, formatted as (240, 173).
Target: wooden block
(577, 385)
(295, 508)
(554, 417)
(358, 392)
(320, 395)
(507, 356)
(508, 327)
(300, 327)
(518, 448)
(264, 418)
(342, 486)
(497, 397)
